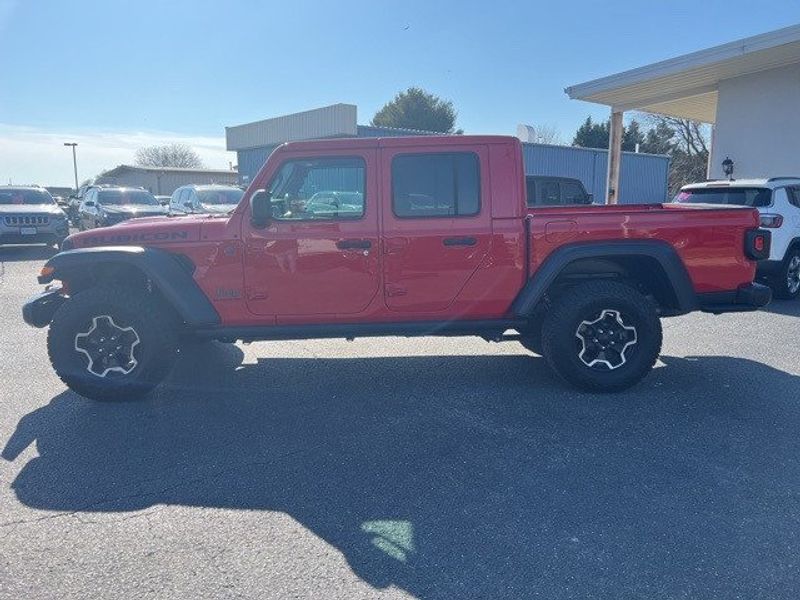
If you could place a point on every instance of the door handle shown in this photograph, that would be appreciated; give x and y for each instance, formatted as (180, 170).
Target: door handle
(354, 244)
(460, 241)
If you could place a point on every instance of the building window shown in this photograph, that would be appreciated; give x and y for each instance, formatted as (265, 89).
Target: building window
(436, 185)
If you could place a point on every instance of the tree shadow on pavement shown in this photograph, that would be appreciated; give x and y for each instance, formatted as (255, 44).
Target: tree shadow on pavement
(460, 476)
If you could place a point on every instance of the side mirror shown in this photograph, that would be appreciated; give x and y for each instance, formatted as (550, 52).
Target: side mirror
(589, 199)
(260, 209)
(89, 203)
(188, 204)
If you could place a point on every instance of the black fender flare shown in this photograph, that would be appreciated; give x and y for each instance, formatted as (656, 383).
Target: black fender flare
(665, 254)
(167, 272)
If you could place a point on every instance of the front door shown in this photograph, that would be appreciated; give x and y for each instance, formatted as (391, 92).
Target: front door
(436, 224)
(319, 255)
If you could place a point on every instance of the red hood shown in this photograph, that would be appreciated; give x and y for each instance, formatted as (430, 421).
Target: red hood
(145, 231)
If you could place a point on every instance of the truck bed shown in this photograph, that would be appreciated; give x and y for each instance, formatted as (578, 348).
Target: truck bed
(709, 238)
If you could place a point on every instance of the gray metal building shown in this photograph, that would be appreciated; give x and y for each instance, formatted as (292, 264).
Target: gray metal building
(643, 177)
(165, 180)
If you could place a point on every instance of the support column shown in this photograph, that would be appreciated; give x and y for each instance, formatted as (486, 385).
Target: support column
(614, 157)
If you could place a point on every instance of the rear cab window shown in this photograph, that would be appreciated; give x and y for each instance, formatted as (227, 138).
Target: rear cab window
(436, 185)
(754, 197)
(572, 193)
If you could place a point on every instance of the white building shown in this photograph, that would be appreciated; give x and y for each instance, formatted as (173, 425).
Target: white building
(748, 89)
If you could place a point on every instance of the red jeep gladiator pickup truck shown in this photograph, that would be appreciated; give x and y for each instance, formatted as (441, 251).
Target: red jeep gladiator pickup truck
(394, 237)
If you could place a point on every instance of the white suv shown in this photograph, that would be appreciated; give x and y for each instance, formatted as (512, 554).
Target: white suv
(778, 201)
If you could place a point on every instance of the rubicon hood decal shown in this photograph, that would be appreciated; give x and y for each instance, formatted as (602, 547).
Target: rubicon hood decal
(143, 236)
(137, 232)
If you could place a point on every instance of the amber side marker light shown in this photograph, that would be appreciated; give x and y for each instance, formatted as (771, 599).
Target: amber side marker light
(46, 271)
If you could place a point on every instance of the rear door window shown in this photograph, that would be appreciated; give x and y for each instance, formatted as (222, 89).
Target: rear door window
(794, 195)
(436, 185)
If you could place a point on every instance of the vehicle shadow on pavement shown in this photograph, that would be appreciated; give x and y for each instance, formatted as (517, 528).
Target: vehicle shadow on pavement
(784, 307)
(459, 476)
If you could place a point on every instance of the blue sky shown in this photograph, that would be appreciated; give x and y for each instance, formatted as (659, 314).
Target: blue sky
(115, 74)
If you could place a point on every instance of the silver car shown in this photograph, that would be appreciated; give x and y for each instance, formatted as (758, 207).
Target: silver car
(30, 215)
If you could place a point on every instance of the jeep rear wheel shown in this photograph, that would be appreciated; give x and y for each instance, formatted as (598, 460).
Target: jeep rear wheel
(112, 344)
(602, 336)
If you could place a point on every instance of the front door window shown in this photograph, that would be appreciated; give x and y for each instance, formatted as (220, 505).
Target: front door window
(319, 189)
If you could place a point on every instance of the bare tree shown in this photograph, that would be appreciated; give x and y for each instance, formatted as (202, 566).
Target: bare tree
(539, 134)
(547, 134)
(168, 155)
(685, 141)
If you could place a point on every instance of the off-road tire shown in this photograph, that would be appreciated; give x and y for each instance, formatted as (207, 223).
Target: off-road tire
(531, 336)
(780, 282)
(155, 352)
(584, 302)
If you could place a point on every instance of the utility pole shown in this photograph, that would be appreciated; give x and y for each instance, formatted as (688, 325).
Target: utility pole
(74, 162)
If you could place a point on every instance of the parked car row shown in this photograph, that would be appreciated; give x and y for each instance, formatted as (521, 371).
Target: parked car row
(104, 205)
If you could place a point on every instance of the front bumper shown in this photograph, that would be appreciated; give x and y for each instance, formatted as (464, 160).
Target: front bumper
(48, 235)
(750, 296)
(38, 311)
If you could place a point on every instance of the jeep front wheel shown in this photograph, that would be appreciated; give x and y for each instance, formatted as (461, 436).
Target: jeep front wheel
(112, 343)
(602, 336)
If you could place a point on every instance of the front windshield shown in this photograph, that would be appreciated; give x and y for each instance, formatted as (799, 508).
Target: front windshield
(123, 197)
(22, 196)
(737, 196)
(215, 196)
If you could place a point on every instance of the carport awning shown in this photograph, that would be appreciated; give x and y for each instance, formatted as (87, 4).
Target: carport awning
(686, 86)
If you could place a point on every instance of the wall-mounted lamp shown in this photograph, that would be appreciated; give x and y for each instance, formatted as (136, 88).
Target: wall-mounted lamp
(727, 167)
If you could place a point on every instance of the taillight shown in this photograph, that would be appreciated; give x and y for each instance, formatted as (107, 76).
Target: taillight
(757, 243)
(771, 221)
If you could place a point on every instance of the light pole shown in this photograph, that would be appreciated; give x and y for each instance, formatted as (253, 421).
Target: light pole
(74, 162)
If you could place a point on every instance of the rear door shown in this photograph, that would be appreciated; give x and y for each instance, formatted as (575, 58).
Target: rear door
(436, 224)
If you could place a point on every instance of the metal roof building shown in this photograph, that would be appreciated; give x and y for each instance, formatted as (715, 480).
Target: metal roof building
(165, 180)
(749, 89)
(645, 175)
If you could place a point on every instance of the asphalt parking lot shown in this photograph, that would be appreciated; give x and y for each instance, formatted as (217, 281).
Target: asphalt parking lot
(405, 468)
